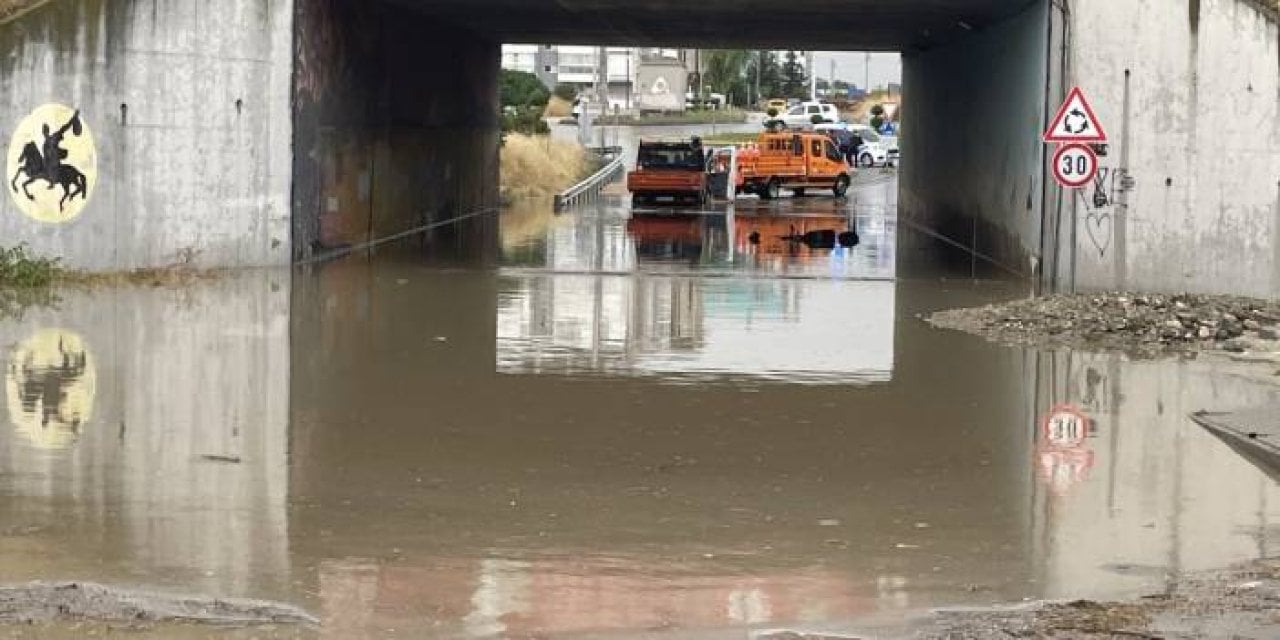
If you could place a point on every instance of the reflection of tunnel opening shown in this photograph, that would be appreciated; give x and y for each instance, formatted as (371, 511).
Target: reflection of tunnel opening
(395, 106)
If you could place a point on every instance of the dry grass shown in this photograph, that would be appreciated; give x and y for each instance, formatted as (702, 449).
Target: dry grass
(153, 277)
(540, 166)
(561, 108)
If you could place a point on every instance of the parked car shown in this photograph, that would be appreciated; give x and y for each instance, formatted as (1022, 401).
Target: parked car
(873, 152)
(801, 115)
(776, 103)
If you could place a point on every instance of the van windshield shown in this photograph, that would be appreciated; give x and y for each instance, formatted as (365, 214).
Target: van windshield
(667, 156)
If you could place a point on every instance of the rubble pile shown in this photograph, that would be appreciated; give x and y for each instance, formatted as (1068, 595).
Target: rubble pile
(1140, 324)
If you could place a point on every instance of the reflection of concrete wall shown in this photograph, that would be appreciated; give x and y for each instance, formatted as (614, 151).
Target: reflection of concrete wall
(1160, 494)
(971, 146)
(188, 104)
(179, 374)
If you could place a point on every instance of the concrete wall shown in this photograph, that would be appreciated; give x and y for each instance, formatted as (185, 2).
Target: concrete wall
(1201, 142)
(396, 125)
(187, 137)
(970, 144)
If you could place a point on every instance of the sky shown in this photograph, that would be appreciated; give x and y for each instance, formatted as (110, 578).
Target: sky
(852, 67)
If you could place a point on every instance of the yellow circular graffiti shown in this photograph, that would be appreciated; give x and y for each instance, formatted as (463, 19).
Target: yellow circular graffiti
(51, 384)
(53, 164)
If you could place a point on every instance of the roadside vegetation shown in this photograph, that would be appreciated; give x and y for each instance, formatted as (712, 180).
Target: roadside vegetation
(533, 163)
(524, 100)
(539, 166)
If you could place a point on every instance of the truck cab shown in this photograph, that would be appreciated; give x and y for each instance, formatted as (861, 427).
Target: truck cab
(670, 171)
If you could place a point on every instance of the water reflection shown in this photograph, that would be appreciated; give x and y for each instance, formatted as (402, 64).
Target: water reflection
(1137, 492)
(50, 386)
(371, 462)
(114, 399)
(695, 329)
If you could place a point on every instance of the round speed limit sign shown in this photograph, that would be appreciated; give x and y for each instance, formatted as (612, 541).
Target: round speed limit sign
(1075, 165)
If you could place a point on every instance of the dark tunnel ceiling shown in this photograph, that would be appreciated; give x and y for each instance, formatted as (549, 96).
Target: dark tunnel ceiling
(887, 25)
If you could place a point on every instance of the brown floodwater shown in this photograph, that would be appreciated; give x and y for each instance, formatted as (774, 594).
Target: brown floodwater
(640, 425)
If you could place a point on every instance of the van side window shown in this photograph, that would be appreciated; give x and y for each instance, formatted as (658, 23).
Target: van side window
(797, 146)
(833, 153)
(817, 149)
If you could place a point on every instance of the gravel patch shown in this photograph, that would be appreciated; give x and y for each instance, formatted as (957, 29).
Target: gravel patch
(1143, 325)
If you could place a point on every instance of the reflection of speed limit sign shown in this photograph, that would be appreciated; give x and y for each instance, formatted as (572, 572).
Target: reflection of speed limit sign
(1065, 427)
(1075, 165)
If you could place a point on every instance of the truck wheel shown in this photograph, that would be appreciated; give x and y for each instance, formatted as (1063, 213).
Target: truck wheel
(841, 187)
(799, 193)
(772, 190)
(867, 160)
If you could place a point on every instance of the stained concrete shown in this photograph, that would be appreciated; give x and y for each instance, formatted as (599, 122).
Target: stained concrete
(189, 108)
(1202, 141)
(396, 126)
(971, 150)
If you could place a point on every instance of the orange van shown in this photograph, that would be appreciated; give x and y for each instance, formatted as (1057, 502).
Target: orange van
(795, 161)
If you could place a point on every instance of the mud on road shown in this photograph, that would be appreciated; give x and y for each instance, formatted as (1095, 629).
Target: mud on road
(44, 603)
(1243, 602)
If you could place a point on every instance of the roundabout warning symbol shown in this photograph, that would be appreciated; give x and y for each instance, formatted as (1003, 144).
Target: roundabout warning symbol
(1076, 121)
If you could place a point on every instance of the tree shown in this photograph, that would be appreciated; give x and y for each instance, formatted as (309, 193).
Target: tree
(764, 65)
(795, 84)
(726, 73)
(877, 117)
(566, 92)
(522, 89)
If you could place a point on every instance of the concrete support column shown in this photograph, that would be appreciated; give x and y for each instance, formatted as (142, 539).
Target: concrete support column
(396, 128)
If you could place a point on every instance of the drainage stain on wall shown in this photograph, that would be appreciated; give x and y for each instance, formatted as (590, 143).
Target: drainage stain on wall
(52, 164)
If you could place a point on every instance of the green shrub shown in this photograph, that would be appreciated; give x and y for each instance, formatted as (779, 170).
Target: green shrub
(20, 268)
(566, 92)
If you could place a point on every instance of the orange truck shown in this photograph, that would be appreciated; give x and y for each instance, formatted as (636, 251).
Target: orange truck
(795, 161)
(669, 171)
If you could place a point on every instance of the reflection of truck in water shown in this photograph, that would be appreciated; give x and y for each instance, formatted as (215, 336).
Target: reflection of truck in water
(673, 171)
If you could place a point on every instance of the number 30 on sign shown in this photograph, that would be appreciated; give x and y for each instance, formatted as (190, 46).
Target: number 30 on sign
(1075, 165)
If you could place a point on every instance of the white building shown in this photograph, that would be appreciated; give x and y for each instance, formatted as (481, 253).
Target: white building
(580, 67)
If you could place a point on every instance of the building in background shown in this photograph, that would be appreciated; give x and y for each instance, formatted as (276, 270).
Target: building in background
(580, 67)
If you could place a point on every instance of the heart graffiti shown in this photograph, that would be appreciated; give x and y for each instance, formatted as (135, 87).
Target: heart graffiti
(1097, 225)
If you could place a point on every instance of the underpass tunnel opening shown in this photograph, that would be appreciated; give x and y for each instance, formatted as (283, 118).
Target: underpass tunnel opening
(397, 121)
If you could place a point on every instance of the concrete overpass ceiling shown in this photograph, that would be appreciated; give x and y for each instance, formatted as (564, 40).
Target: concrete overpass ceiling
(851, 25)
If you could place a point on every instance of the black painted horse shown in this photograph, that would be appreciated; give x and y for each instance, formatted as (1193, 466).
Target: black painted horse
(32, 163)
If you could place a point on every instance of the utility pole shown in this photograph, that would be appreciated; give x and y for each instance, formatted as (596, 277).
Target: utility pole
(759, 63)
(867, 78)
(813, 79)
(831, 79)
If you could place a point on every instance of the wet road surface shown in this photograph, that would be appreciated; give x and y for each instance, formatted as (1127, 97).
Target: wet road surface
(641, 425)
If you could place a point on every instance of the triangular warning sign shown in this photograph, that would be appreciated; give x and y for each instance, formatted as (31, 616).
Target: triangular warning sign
(1076, 121)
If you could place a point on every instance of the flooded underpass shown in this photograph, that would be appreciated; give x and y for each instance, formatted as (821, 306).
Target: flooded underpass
(706, 425)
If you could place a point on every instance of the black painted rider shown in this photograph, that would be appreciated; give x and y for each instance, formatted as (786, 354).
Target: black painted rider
(52, 151)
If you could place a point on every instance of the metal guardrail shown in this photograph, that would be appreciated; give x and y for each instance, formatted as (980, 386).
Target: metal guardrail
(590, 189)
